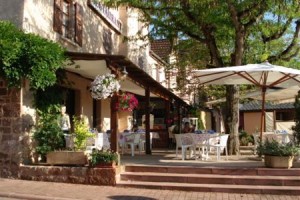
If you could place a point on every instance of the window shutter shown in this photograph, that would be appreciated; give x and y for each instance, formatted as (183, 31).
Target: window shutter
(57, 16)
(78, 24)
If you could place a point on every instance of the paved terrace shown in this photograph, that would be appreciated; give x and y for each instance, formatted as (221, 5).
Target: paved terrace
(20, 189)
(168, 157)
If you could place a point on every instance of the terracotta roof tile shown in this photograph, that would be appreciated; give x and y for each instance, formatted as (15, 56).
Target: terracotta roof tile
(256, 105)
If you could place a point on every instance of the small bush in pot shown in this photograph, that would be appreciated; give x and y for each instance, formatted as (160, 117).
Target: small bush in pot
(274, 148)
(277, 154)
(103, 157)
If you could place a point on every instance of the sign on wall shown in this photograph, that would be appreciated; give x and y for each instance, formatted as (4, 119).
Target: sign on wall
(105, 13)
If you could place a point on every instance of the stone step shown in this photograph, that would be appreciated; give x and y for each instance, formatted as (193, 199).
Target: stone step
(211, 179)
(246, 147)
(225, 188)
(246, 152)
(214, 170)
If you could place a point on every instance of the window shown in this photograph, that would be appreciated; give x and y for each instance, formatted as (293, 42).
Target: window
(285, 116)
(67, 20)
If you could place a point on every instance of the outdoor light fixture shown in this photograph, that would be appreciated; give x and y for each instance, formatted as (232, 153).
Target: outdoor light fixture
(124, 73)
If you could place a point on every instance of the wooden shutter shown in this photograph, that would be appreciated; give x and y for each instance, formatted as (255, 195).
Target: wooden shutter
(78, 23)
(57, 16)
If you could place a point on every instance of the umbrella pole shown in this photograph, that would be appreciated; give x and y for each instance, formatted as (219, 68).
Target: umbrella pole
(262, 111)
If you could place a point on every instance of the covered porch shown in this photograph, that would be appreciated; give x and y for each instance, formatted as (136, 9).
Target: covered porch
(138, 82)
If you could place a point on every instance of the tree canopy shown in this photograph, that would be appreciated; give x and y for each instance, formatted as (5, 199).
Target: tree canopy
(232, 33)
(28, 56)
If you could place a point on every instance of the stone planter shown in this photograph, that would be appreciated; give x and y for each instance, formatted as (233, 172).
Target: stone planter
(105, 165)
(66, 158)
(279, 161)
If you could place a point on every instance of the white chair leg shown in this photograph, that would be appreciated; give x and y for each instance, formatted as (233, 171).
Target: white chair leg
(218, 153)
(132, 149)
(183, 153)
(226, 153)
(176, 151)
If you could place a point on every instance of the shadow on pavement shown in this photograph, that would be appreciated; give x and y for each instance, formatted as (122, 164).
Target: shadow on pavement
(128, 197)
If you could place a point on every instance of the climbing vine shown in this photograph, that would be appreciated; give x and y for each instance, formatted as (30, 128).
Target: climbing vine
(28, 56)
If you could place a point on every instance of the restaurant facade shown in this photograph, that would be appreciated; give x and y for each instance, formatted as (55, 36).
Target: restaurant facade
(93, 36)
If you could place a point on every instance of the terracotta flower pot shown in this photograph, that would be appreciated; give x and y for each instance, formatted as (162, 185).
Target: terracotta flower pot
(279, 161)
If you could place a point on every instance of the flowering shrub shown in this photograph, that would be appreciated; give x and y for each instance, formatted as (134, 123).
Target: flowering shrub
(127, 102)
(104, 86)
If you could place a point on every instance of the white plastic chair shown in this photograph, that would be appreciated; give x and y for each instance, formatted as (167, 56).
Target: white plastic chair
(170, 132)
(220, 146)
(184, 141)
(133, 143)
(142, 141)
(200, 142)
(90, 145)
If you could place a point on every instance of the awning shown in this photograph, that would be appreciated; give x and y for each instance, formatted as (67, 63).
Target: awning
(90, 65)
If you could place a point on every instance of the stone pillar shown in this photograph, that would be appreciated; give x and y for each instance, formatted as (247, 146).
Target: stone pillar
(10, 130)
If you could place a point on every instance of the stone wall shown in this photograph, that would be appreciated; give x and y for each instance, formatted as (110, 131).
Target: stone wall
(80, 175)
(10, 130)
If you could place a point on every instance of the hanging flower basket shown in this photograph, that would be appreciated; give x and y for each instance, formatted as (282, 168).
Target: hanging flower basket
(104, 86)
(127, 102)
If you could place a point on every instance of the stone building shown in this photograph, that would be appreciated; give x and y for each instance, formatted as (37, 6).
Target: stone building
(94, 38)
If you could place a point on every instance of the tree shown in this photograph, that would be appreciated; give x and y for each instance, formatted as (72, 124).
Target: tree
(234, 32)
(296, 128)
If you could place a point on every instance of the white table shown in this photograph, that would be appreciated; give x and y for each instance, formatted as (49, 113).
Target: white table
(100, 141)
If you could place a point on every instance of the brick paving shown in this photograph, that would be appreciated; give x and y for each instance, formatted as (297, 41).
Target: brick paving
(33, 190)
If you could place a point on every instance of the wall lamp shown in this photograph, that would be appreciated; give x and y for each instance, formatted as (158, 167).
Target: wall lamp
(123, 73)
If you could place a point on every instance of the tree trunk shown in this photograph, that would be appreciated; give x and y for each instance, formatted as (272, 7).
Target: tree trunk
(232, 118)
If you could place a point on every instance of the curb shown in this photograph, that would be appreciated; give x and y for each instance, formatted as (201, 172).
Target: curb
(31, 196)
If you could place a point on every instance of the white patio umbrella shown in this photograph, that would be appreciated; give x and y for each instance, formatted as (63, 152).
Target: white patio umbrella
(262, 75)
(275, 95)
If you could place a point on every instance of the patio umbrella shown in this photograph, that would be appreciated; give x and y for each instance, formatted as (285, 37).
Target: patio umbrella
(262, 75)
(281, 94)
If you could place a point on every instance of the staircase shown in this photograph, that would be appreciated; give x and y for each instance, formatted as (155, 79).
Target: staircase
(212, 179)
(247, 150)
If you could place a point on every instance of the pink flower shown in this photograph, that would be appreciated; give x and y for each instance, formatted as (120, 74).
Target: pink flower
(127, 102)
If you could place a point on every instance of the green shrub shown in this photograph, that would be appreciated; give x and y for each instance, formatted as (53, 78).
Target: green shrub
(48, 135)
(103, 156)
(274, 148)
(82, 132)
(245, 138)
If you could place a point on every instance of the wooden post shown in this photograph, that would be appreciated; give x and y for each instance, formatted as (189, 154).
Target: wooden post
(179, 116)
(114, 124)
(147, 118)
(167, 114)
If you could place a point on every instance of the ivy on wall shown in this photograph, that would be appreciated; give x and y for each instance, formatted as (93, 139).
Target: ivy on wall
(28, 56)
(31, 57)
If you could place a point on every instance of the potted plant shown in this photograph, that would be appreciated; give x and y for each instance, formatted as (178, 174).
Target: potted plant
(103, 158)
(104, 86)
(278, 155)
(81, 131)
(77, 155)
(127, 102)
